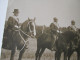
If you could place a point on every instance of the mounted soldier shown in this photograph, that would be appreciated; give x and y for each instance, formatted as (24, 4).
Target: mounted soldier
(54, 27)
(73, 27)
(13, 21)
(12, 25)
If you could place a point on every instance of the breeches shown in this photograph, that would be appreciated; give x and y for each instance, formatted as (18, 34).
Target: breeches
(53, 39)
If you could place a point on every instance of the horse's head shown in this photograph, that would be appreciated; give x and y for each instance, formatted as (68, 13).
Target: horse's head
(31, 27)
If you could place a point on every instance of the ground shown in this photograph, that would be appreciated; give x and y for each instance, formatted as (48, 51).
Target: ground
(30, 53)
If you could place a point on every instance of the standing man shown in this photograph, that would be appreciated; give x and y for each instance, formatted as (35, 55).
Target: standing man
(54, 28)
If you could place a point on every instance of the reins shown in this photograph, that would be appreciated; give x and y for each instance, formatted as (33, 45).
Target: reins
(25, 41)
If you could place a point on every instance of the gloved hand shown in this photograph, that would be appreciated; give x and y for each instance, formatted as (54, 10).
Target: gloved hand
(16, 26)
(58, 31)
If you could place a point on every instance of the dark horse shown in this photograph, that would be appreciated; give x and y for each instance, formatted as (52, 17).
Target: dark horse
(75, 46)
(43, 42)
(62, 43)
(19, 39)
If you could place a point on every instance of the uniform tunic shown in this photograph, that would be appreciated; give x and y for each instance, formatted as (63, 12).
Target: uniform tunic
(54, 28)
(10, 31)
(13, 22)
(73, 27)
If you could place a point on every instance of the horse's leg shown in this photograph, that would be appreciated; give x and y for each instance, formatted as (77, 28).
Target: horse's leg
(58, 55)
(21, 54)
(13, 52)
(69, 54)
(65, 55)
(41, 52)
(55, 56)
(78, 55)
(37, 53)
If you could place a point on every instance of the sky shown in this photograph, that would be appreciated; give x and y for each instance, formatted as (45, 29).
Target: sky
(46, 10)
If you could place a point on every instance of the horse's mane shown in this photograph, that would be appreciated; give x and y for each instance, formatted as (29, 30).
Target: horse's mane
(39, 30)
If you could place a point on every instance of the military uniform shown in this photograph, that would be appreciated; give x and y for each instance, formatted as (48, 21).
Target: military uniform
(13, 23)
(54, 28)
(73, 28)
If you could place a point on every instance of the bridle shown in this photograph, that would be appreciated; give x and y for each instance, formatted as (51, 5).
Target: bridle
(29, 26)
(34, 29)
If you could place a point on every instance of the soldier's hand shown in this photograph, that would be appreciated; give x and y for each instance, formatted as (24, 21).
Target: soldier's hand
(16, 26)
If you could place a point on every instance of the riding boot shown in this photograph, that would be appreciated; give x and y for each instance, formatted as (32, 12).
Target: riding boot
(54, 44)
(53, 48)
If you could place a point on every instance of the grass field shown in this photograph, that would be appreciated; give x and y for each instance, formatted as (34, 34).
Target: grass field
(30, 53)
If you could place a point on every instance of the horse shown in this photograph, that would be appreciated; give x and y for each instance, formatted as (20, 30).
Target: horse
(75, 46)
(62, 43)
(19, 40)
(43, 42)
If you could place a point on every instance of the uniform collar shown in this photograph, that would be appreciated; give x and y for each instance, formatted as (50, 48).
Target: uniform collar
(16, 18)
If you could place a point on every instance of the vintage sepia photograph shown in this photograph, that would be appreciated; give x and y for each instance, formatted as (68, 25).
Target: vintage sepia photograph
(41, 30)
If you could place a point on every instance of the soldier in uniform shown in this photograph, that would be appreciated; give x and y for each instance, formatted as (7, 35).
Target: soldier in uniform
(54, 28)
(13, 24)
(13, 21)
(72, 27)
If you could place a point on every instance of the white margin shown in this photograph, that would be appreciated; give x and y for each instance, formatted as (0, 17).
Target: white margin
(3, 9)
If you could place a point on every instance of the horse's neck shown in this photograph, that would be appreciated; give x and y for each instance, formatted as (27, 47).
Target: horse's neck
(22, 35)
(24, 26)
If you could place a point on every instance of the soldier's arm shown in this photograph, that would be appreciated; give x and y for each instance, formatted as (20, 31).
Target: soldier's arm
(18, 22)
(10, 21)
